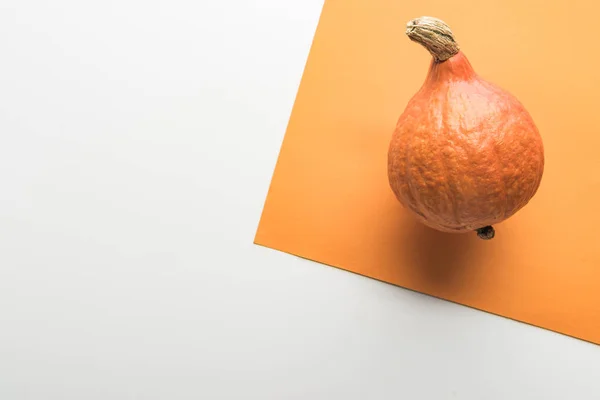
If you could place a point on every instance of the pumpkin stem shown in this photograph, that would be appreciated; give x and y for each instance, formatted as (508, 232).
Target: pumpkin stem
(434, 35)
(486, 233)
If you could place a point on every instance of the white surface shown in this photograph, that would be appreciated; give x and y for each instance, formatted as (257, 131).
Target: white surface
(137, 145)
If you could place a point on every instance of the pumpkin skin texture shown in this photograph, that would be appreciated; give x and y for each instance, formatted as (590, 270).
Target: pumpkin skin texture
(465, 154)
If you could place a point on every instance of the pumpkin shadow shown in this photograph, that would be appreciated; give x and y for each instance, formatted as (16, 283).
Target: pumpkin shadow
(442, 260)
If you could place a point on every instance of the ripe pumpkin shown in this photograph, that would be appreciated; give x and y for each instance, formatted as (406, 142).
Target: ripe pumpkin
(465, 154)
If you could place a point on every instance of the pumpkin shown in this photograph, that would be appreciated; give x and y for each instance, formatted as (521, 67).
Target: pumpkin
(465, 154)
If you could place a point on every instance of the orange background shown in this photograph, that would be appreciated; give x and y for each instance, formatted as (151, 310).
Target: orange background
(329, 199)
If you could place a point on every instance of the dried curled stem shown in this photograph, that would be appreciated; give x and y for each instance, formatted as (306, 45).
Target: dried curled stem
(434, 35)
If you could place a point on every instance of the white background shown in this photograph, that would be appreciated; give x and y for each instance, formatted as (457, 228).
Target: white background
(138, 139)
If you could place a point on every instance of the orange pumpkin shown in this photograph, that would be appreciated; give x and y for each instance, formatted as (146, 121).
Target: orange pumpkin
(465, 154)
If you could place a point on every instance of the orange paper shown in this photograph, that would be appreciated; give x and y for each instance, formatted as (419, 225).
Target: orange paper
(329, 198)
